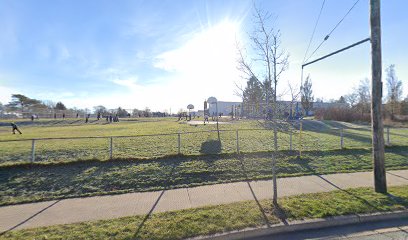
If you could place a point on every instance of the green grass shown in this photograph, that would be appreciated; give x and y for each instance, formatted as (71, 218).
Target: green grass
(54, 181)
(316, 136)
(76, 168)
(141, 147)
(222, 218)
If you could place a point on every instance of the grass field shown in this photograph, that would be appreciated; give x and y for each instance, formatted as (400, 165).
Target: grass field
(217, 219)
(66, 169)
(55, 181)
(124, 147)
(194, 140)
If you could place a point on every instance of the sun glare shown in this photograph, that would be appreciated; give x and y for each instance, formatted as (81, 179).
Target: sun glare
(211, 48)
(218, 43)
(206, 59)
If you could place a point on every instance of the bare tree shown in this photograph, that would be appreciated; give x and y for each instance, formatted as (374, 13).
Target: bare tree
(101, 110)
(294, 97)
(394, 88)
(351, 99)
(266, 45)
(50, 104)
(364, 96)
(294, 93)
(244, 63)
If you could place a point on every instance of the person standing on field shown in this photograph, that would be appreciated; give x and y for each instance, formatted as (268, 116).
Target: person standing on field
(15, 128)
(206, 119)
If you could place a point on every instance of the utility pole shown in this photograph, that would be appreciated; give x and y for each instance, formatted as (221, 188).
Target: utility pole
(380, 182)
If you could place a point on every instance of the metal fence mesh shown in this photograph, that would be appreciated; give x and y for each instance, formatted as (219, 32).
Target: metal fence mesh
(209, 170)
(291, 136)
(199, 143)
(62, 150)
(144, 146)
(15, 152)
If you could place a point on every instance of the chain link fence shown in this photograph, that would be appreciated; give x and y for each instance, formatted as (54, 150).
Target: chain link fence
(308, 170)
(291, 136)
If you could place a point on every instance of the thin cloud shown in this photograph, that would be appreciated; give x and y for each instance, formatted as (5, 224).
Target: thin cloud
(129, 83)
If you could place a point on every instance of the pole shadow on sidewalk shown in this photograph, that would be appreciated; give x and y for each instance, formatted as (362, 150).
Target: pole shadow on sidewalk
(31, 217)
(349, 192)
(277, 210)
(149, 214)
(396, 175)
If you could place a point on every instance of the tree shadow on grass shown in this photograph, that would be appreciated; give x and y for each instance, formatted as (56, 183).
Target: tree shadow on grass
(399, 150)
(29, 183)
(75, 121)
(149, 214)
(211, 147)
(332, 128)
(35, 182)
(56, 122)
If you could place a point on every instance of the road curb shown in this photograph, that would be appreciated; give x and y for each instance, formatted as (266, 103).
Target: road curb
(307, 225)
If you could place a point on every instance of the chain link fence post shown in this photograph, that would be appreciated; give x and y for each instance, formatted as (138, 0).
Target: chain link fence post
(290, 140)
(300, 138)
(341, 139)
(179, 142)
(111, 148)
(33, 151)
(237, 142)
(388, 136)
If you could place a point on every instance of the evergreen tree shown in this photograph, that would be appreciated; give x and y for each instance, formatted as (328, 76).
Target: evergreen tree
(307, 95)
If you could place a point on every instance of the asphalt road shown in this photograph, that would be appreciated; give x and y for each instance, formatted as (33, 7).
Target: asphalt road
(384, 230)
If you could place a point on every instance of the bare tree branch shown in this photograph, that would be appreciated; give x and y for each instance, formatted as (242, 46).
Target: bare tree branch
(269, 60)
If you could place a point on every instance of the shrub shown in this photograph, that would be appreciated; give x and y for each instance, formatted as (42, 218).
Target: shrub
(342, 114)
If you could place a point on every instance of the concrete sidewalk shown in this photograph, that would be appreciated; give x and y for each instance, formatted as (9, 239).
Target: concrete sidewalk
(107, 207)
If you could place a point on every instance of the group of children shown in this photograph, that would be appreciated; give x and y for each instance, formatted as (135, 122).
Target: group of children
(109, 119)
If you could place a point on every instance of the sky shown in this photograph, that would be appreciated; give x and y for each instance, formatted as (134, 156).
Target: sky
(166, 54)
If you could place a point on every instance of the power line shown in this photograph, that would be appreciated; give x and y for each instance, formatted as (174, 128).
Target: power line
(343, 18)
(335, 27)
(338, 51)
(314, 30)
